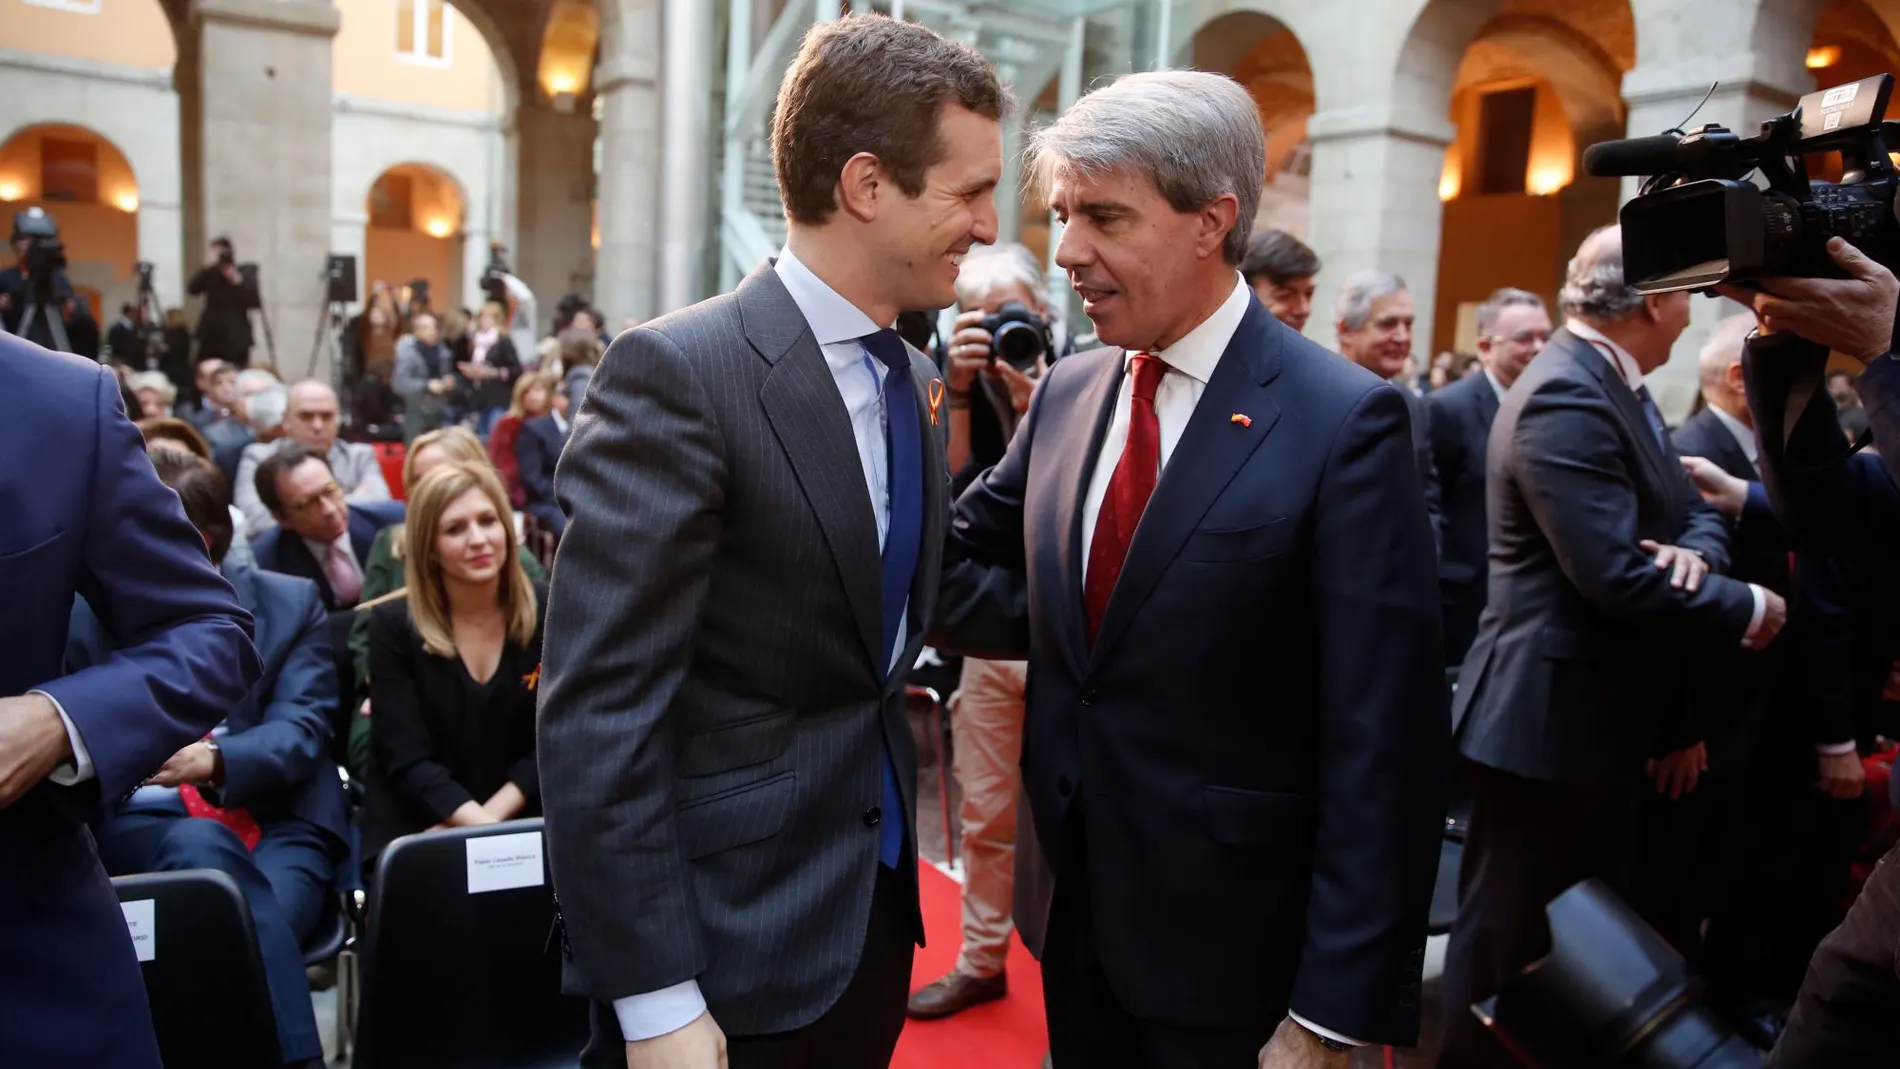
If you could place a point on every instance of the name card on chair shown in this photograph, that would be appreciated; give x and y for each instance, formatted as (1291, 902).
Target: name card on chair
(141, 919)
(503, 862)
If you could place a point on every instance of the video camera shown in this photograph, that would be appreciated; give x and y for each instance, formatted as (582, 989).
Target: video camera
(1018, 336)
(495, 275)
(45, 254)
(1699, 221)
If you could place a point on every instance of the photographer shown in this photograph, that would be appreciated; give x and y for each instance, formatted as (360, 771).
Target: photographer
(987, 393)
(224, 329)
(36, 248)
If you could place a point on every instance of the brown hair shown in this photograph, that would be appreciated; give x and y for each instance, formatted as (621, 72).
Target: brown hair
(518, 404)
(170, 428)
(422, 571)
(202, 491)
(868, 83)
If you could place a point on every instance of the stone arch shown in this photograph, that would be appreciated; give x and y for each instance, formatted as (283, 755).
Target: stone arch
(1265, 55)
(508, 68)
(415, 227)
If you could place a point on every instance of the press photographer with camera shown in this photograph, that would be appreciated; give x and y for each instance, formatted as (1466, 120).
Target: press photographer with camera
(37, 300)
(224, 328)
(1002, 342)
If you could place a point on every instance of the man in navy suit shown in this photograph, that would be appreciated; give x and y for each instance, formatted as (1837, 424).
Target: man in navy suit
(85, 516)
(536, 451)
(1211, 542)
(278, 823)
(319, 534)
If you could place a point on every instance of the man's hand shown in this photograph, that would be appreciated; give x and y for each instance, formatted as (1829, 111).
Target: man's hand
(1293, 1047)
(193, 764)
(1724, 492)
(1686, 567)
(1021, 386)
(700, 1045)
(33, 743)
(1676, 774)
(232, 275)
(969, 351)
(1842, 775)
(1774, 615)
(1852, 315)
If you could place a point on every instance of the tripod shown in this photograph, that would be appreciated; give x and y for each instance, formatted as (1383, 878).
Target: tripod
(38, 305)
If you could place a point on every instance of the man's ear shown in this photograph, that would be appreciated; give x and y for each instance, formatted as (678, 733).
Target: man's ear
(1218, 218)
(860, 183)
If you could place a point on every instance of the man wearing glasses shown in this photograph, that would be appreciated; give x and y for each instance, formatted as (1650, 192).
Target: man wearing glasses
(1513, 325)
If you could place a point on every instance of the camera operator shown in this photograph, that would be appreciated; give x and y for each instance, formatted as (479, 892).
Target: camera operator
(986, 393)
(36, 240)
(224, 328)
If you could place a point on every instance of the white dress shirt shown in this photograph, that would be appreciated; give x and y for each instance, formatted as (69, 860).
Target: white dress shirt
(1191, 362)
(1632, 375)
(1496, 386)
(837, 324)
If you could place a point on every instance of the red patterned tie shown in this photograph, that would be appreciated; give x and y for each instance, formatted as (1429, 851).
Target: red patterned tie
(236, 818)
(1128, 490)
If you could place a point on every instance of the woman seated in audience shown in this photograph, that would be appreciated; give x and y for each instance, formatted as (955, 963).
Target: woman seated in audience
(533, 396)
(177, 436)
(155, 392)
(383, 574)
(453, 667)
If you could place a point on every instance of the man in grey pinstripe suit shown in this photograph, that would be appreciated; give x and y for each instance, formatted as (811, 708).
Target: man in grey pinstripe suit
(757, 496)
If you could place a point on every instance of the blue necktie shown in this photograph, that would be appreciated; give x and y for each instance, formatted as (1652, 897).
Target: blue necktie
(904, 455)
(1655, 417)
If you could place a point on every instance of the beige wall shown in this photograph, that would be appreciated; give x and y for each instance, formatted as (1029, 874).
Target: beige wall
(397, 256)
(125, 33)
(366, 64)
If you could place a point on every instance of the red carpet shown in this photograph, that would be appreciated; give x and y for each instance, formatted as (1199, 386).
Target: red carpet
(1007, 1034)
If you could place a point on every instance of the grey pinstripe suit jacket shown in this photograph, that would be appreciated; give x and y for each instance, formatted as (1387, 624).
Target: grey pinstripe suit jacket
(713, 698)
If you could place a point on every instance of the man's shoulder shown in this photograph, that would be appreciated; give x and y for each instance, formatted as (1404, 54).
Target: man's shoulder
(259, 589)
(1456, 394)
(689, 329)
(1697, 433)
(1077, 370)
(37, 379)
(257, 451)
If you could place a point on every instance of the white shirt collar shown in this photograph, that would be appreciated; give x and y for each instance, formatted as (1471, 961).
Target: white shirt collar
(832, 318)
(1744, 437)
(1626, 364)
(560, 421)
(1496, 386)
(1199, 350)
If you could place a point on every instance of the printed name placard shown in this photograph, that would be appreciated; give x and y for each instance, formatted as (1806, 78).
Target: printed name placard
(141, 919)
(502, 862)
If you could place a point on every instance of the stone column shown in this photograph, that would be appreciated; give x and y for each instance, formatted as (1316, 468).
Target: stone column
(687, 175)
(554, 203)
(259, 145)
(627, 81)
(1375, 205)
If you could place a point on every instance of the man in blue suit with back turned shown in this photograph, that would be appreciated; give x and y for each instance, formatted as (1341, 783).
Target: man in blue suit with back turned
(83, 514)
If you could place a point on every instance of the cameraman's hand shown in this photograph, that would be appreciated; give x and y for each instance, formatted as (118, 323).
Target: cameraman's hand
(1021, 386)
(1724, 492)
(1842, 775)
(969, 351)
(1773, 617)
(1852, 315)
(231, 275)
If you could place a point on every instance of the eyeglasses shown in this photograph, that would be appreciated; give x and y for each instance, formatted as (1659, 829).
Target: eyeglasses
(330, 492)
(1524, 337)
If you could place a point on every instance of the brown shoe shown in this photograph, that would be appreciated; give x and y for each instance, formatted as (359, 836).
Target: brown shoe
(954, 993)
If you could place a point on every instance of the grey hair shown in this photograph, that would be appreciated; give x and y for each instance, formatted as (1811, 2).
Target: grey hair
(1357, 294)
(987, 268)
(1494, 306)
(265, 409)
(1196, 134)
(1724, 347)
(254, 377)
(157, 382)
(1594, 288)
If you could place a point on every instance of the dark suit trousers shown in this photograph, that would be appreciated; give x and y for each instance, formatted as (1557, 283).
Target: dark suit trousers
(859, 1031)
(1463, 604)
(284, 881)
(1087, 1025)
(1529, 842)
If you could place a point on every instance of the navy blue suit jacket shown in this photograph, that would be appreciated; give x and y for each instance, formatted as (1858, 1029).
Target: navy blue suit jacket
(1258, 737)
(85, 515)
(276, 550)
(277, 742)
(536, 451)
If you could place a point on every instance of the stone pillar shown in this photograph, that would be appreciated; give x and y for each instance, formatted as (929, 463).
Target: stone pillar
(475, 239)
(259, 145)
(627, 81)
(687, 175)
(554, 204)
(1375, 205)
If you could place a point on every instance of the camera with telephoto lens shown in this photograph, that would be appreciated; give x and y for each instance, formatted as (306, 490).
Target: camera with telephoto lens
(1698, 219)
(495, 275)
(1018, 336)
(1611, 993)
(45, 254)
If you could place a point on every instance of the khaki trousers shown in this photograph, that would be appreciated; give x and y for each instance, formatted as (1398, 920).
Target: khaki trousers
(987, 732)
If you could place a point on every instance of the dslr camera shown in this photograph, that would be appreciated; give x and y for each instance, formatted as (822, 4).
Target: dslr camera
(1018, 336)
(1699, 220)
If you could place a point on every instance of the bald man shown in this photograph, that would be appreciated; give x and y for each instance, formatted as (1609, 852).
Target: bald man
(311, 420)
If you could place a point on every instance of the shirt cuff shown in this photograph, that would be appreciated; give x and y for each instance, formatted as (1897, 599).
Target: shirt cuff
(79, 769)
(1761, 610)
(1835, 749)
(1325, 1033)
(659, 1013)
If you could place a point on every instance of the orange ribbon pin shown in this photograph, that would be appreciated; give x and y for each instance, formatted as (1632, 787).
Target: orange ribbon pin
(533, 679)
(936, 399)
(1241, 418)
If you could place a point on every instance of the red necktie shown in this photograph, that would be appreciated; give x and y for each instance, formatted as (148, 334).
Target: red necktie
(236, 818)
(1128, 490)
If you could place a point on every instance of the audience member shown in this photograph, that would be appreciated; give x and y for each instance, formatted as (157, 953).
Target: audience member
(214, 390)
(1512, 326)
(580, 352)
(490, 368)
(1444, 372)
(257, 799)
(537, 450)
(124, 339)
(424, 378)
(317, 533)
(1373, 321)
(155, 393)
(176, 436)
(533, 396)
(383, 572)
(224, 327)
(1281, 269)
(310, 421)
(985, 396)
(454, 667)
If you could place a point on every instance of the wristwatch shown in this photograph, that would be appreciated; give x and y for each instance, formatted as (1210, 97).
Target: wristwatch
(1328, 1042)
(217, 760)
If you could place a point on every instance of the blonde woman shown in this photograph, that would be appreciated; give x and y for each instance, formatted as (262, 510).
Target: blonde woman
(383, 572)
(453, 667)
(533, 396)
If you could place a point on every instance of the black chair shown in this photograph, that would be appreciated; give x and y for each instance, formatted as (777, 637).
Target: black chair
(205, 982)
(454, 980)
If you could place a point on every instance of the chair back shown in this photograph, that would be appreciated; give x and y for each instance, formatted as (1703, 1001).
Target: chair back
(204, 976)
(459, 975)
